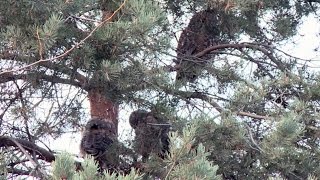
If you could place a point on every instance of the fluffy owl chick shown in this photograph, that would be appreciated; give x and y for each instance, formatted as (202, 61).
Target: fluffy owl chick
(99, 134)
(199, 35)
(138, 117)
(151, 133)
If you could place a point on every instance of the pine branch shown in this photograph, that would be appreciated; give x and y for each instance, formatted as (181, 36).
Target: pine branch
(43, 154)
(34, 162)
(210, 100)
(7, 77)
(18, 171)
(265, 49)
(241, 46)
(77, 45)
(81, 79)
(195, 95)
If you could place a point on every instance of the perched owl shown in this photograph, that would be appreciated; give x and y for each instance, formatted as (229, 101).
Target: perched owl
(137, 117)
(200, 33)
(98, 136)
(151, 133)
(206, 28)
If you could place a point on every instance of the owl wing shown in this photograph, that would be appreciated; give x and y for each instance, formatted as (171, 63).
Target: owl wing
(194, 39)
(96, 143)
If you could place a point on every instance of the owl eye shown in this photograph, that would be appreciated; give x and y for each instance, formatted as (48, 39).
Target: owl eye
(109, 125)
(94, 127)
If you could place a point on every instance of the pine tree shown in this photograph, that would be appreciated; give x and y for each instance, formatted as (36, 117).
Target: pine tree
(250, 111)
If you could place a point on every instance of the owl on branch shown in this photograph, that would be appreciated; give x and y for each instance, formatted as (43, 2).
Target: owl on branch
(206, 28)
(98, 137)
(151, 134)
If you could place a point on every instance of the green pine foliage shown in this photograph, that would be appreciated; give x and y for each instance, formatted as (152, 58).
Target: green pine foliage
(197, 167)
(188, 162)
(185, 161)
(252, 113)
(63, 168)
(90, 169)
(48, 33)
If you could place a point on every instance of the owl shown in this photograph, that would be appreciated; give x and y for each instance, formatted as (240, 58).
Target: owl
(202, 31)
(151, 134)
(98, 136)
(137, 117)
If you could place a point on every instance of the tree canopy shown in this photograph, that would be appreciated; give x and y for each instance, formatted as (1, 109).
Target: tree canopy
(249, 111)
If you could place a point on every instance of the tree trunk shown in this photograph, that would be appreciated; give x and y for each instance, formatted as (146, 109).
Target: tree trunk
(103, 108)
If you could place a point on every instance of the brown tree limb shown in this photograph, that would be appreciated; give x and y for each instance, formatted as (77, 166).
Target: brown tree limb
(240, 46)
(213, 103)
(18, 171)
(7, 77)
(265, 49)
(50, 65)
(208, 99)
(28, 146)
(35, 163)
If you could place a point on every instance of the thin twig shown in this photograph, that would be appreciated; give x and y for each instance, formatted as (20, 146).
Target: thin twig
(40, 45)
(84, 18)
(24, 111)
(36, 165)
(240, 46)
(157, 124)
(252, 140)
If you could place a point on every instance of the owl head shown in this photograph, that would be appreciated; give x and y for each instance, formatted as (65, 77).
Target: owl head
(138, 117)
(101, 125)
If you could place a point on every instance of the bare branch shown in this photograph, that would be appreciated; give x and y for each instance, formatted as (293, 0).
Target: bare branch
(50, 78)
(84, 18)
(43, 154)
(250, 135)
(24, 111)
(40, 45)
(240, 46)
(35, 164)
(255, 116)
(18, 171)
(210, 100)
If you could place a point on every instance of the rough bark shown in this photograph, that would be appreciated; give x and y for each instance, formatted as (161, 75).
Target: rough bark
(103, 108)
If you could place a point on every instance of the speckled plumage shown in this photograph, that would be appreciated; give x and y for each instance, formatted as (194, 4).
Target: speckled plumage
(99, 134)
(201, 32)
(150, 137)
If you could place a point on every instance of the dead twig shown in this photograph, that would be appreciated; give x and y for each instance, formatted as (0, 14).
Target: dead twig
(36, 164)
